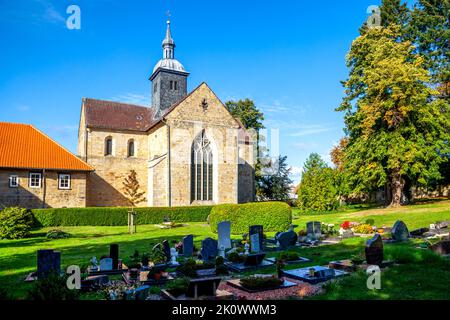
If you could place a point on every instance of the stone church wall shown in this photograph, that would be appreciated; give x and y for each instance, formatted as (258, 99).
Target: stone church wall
(105, 184)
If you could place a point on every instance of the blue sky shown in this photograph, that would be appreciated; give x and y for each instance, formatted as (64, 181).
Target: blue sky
(288, 56)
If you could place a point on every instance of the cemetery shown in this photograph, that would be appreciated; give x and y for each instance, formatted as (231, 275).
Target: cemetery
(310, 259)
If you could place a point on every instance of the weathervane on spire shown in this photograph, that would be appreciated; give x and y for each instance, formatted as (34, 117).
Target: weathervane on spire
(168, 16)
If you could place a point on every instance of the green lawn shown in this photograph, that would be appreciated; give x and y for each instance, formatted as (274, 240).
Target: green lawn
(423, 276)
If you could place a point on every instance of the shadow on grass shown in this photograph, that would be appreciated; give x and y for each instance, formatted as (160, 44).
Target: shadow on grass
(15, 267)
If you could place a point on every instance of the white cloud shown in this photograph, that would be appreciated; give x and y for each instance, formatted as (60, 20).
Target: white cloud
(311, 129)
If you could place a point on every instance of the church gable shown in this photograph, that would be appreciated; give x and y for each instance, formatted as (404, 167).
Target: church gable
(202, 105)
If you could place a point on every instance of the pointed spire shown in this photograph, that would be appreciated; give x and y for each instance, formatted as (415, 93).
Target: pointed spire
(168, 43)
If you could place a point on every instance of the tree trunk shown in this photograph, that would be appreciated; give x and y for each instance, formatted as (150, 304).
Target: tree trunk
(396, 185)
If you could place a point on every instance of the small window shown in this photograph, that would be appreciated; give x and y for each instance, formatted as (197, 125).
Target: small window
(35, 180)
(13, 181)
(171, 85)
(64, 181)
(108, 146)
(131, 148)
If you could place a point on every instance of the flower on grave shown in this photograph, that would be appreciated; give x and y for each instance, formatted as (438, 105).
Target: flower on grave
(345, 225)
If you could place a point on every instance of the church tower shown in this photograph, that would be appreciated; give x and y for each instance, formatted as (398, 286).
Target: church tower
(169, 78)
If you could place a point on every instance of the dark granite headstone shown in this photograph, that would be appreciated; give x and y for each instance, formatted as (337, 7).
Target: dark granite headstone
(400, 231)
(203, 287)
(114, 255)
(48, 262)
(374, 251)
(442, 248)
(313, 228)
(209, 249)
(188, 245)
(166, 248)
(256, 229)
(254, 259)
(287, 239)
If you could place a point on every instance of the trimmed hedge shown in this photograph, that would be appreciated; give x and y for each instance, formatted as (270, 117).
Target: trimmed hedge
(109, 216)
(273, 216)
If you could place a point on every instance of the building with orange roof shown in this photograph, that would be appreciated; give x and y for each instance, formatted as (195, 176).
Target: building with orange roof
(37, 172)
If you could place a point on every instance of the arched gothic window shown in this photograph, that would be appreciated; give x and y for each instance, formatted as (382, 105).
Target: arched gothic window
(201, 169)
(131, 148)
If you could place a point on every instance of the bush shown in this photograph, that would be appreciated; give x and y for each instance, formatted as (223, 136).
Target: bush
(15, 223)
(259, 283)
(273, 216)
(52, 288)
(57, 234)
(363, 228)
(110, 216)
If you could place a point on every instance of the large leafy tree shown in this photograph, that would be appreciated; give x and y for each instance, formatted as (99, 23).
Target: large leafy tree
(252, 118)
(275, 182)
(396, 131)
(246, 111)
(317, 189)
(429, 29)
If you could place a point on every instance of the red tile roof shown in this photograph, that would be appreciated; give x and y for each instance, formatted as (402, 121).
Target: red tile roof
(23, 146)
(117, 116)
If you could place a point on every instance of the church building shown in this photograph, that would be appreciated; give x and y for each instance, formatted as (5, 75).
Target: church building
(186, 148)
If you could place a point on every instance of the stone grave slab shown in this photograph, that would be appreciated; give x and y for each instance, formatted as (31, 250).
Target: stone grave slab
(300, 260)
(236, 283)
(344, 265)
(321, 274)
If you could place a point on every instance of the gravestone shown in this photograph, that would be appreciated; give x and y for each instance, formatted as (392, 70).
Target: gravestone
(203, 287)
(114, 255)
(442, 225)
(166, 249)
(209, 249)
(188, 245)
(374, 251)
(419, 232)
(313, 228)
(442, 247)
(400, 231)
(48, 262)
(286, 239)
(224, 234)
(106, 264)
(254, 259)
(257, 244)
